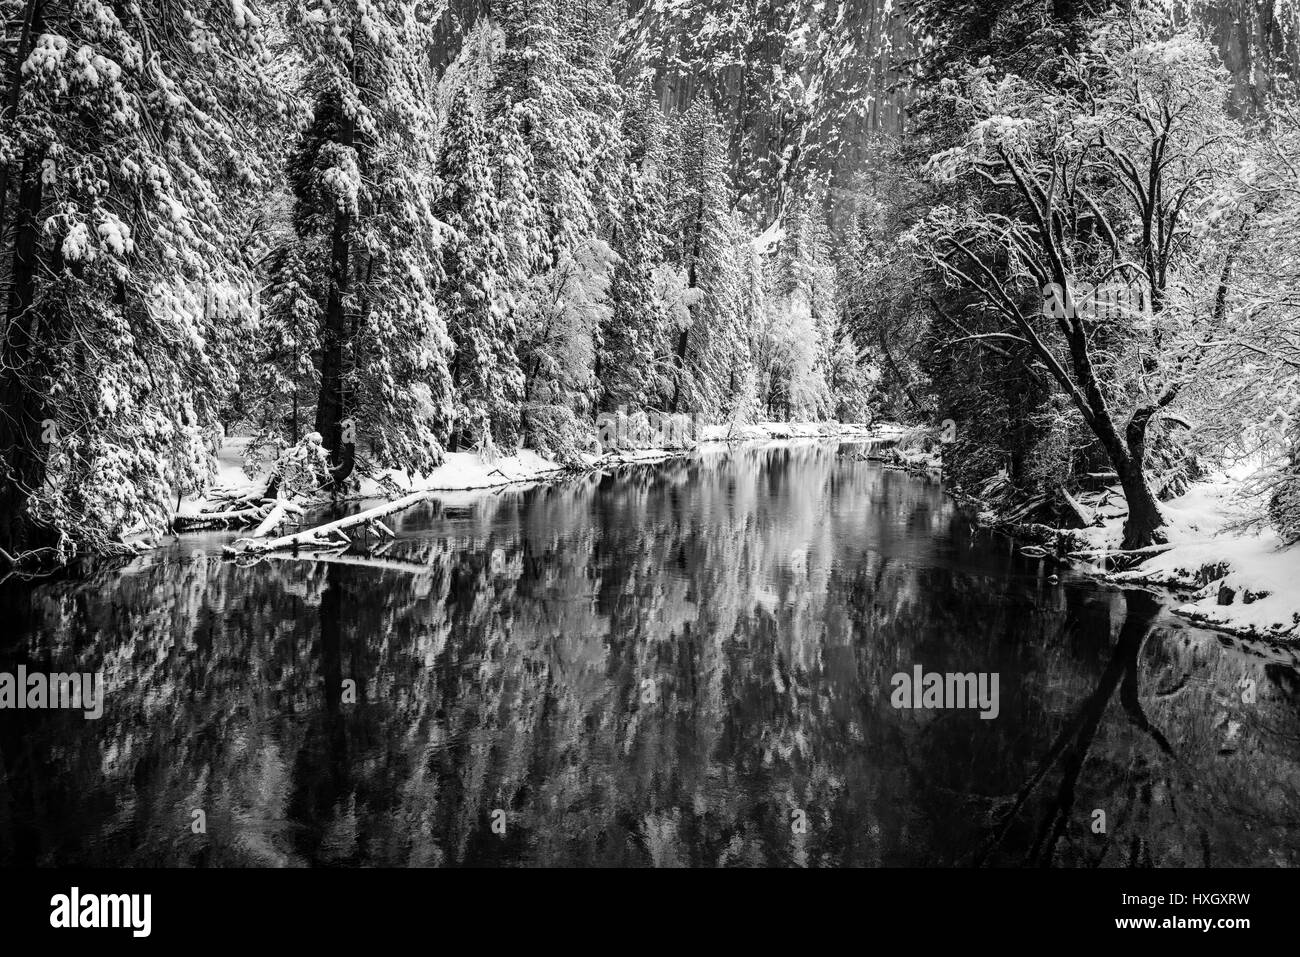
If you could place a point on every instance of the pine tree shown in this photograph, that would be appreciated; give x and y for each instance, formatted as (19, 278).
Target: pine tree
(279, 380)
(740, 397)
(699, 216)
(802, 313)
(557, 103)
(538, 85)
(485, 366)
(363, 180)
(131, 161)
(634, 340)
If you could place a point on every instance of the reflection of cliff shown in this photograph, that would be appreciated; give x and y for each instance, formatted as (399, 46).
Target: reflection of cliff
(659, 666)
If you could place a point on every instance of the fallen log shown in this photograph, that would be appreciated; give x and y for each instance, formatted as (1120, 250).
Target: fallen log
(1106, 552)
(279, 513)
(1081, 511)
(329, 534)
(233, 516)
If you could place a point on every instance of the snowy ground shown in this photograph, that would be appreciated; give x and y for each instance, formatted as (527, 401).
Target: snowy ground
(463, 471)
(1244, 581)
(799, 430)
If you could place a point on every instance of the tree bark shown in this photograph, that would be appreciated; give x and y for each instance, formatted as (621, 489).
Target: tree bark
(692, 273)
(22, 388)
(330, 411)
(22, 405)
(32, 16)
(1143, 525)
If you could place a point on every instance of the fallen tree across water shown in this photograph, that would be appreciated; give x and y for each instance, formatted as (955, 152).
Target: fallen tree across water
(268, 514)
(222, 518)
(331, 534)
(276, 517)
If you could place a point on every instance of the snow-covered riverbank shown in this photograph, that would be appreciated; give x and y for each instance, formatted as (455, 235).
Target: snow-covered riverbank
(467, 471)
(1241, 578)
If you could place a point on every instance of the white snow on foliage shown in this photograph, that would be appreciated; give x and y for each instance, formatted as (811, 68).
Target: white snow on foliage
(115, 234)
(76, 244)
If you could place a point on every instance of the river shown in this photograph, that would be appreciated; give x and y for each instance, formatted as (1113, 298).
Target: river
(689, 663)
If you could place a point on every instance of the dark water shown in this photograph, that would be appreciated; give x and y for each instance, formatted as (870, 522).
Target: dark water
(684, 664)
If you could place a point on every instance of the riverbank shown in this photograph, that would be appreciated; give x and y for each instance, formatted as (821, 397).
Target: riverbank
(1229, 572)
(1240, 577)
(1225, 574)
(234, 497)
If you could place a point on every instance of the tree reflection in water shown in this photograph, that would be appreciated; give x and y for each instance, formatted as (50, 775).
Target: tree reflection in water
(655, 666)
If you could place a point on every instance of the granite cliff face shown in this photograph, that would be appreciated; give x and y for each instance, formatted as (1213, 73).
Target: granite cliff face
(1257, 40)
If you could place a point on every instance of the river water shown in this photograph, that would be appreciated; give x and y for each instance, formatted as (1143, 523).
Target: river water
(689, 663)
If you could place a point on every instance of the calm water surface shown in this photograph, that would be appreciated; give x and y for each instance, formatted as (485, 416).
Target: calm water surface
(682, 664)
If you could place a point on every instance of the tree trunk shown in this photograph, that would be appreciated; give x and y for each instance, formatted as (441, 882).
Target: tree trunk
(1142, 527)
(32, 22)
(683, 340)
(1127, 452)
(22, 387)
(330, 411)
(1144, 522)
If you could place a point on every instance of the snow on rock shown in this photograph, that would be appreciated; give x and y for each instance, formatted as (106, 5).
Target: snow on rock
(770, 238)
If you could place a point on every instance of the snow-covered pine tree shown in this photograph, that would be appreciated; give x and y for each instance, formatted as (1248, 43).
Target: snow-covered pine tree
(699, 217)
(850, 378)
(740, 400)
(539, 85)
(364, 179)
(485, 365)
(635, 341)
(802, 313)
(131, 159)
(279, 381)
(557, 105)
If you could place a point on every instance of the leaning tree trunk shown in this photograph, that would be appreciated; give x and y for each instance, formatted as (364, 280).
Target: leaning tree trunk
(1127, 454)
(1127, 451)
(1144, 523)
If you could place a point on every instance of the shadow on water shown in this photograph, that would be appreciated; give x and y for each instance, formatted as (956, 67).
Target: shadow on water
(682, 664)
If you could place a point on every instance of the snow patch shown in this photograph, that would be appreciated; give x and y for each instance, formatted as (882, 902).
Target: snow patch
(1244, 580)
